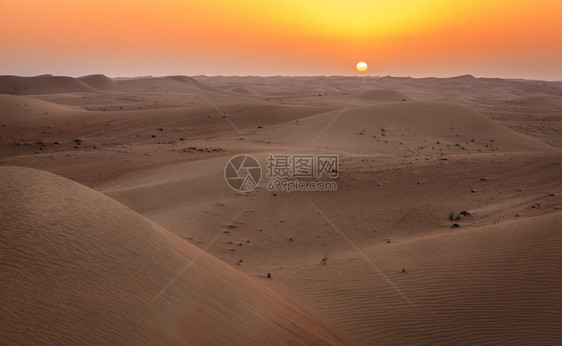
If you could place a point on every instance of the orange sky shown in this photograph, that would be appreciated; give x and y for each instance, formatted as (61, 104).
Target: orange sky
(519, 39)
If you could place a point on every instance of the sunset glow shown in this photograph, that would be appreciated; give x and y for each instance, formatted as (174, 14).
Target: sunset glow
(484, 38)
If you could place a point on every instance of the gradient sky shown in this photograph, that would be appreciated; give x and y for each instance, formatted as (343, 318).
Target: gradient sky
(493, 38)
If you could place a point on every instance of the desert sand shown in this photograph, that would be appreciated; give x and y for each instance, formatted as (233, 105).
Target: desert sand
(117, 224)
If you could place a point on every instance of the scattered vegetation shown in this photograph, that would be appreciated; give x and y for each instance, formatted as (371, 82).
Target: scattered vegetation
(207, 150)
(324, 260)
(454, 217)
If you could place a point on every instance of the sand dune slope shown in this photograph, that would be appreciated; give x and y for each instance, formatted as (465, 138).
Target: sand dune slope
(382, 95)
(46, 84)
(15, 109)
(99, 81)
(536, 100)
(244, 90)
(402, 127)
(494, 279)
(78, 267)
(492, 284)
(170, 83)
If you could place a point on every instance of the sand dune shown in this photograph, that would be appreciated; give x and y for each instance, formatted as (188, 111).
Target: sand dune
(493, 284)
(468, 276)
(45, 84)
(99, 81)
(48, 84)
(452, 275)
(61, 240)
(18, 109)
(404, 127)
(537, 100)
(383, 95)
(244, 91)
(456, 186)
(170, 83)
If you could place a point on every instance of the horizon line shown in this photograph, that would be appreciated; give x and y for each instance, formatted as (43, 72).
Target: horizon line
(279, 76)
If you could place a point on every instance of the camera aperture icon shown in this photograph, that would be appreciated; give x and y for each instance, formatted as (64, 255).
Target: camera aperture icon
(242, 173)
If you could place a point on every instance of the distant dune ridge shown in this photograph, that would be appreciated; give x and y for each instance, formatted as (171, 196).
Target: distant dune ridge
(78, 267)
(169, 83)
(45, 84)
(48, 84)
(99, 81)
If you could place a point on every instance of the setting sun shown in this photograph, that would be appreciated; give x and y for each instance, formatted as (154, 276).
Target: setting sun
(361, 66)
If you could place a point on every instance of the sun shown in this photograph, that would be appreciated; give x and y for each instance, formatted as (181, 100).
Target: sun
(361, 66)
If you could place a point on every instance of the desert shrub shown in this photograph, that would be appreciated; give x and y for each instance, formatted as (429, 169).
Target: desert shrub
(454, 217)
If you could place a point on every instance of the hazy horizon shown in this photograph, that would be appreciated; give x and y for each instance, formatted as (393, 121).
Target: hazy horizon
(278, 76)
